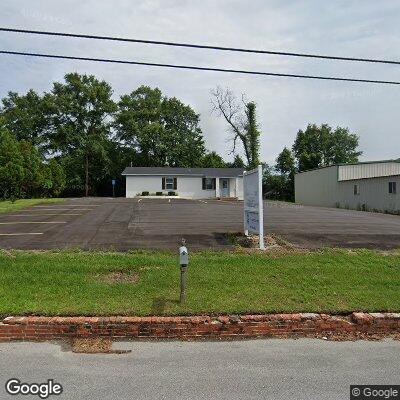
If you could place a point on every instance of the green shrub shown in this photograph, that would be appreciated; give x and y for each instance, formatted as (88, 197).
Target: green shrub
(172, 194)
(145, 193)
(159, 193)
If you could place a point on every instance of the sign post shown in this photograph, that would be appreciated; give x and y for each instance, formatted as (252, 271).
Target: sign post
(183, 261)
(113, 186)
(253, 204)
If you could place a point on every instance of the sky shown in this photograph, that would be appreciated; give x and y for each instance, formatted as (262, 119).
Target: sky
(352, 28)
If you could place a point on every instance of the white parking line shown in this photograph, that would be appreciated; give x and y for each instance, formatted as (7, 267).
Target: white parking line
(21, 234)
(60, 209)
(32, 222)
(39, 215)
(69, 205)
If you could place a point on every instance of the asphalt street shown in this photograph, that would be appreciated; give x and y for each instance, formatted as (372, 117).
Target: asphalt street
(257, 369)
(125, 224)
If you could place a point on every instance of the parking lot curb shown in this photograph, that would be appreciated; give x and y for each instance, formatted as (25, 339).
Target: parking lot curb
(199, 327)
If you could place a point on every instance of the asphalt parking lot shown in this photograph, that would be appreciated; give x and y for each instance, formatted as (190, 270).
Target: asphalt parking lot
(124, 224)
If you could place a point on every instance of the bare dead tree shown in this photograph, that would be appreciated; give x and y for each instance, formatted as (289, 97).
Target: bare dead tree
(240, 116)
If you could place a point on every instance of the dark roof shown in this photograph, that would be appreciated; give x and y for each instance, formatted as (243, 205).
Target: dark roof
(211, 172)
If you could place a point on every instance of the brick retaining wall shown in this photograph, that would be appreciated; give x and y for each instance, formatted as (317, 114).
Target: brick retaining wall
(193, 327)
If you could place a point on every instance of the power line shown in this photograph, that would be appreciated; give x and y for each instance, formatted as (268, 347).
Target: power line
(200, 46)
(190, 67)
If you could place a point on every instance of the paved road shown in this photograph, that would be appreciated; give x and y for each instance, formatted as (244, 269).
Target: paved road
(259, 369)
(123, 224)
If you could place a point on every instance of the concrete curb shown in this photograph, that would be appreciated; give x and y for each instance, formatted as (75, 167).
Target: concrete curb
(198, 327)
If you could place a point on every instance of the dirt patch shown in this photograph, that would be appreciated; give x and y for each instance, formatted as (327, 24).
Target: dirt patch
(120, 277)
(7, 253)
(252, 241)
(94, 346)
(273, 244)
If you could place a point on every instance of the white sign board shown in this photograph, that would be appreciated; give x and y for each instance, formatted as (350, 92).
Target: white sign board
(253, 203)
(252, 222)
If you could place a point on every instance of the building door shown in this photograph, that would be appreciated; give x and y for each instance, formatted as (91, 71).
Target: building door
(224, 187)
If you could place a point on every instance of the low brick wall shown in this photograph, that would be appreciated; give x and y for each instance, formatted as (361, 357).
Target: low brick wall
(197, 327)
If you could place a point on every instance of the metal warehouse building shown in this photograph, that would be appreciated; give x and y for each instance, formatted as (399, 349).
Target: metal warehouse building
(369, 186)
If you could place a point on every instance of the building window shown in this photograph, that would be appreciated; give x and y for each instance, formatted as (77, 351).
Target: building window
(356, 190)
(392, 187)
(169, 183)
(209, 183)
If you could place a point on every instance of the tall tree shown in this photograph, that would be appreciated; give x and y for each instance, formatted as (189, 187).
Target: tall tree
(12, 171)
(253, 134)
(26, 117)
(22, 171)
(80, 117)
(275, 186)
(285, 162)
(283, 183)
(53, 179)
(213, 160)
(163, 131)
(242, 121)
(237, 162)
(320, 146)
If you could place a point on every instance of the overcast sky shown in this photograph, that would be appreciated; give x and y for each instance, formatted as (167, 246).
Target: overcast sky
(364, 28)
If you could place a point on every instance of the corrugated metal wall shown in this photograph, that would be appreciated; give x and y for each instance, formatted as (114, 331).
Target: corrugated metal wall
(372, 170)
(321, 187)
(318, 187)
(373, 194)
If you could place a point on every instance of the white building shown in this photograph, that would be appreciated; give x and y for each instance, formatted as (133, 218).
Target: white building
(370, 186)
(191, 183)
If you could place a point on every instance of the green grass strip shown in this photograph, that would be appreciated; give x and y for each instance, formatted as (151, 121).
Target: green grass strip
(9, 206)
(75, 282)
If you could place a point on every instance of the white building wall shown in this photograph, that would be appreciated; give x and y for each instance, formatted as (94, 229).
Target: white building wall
(192, 187)
(235, 187)
(322, 188)
(137, 184)
(239, 188)
(187, 186)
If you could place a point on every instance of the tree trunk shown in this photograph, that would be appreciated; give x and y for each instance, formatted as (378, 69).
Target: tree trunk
(87, 176)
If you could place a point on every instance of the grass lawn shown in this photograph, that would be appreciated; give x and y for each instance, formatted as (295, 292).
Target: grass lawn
(74, 282)
(8, 206)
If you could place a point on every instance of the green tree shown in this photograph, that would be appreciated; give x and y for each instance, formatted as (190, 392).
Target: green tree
(320, 146)
(22, 172)
(12, 171)
(283, 183)
(120, 157)
(163, 131)
(242, 120)
(213, 160)
(53, 178)
(80, 116)
(26, 117)
(237, 162)
(252, 135)
(285, 163)
(31, 184)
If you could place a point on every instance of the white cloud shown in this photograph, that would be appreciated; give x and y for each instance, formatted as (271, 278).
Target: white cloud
(284, 105)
